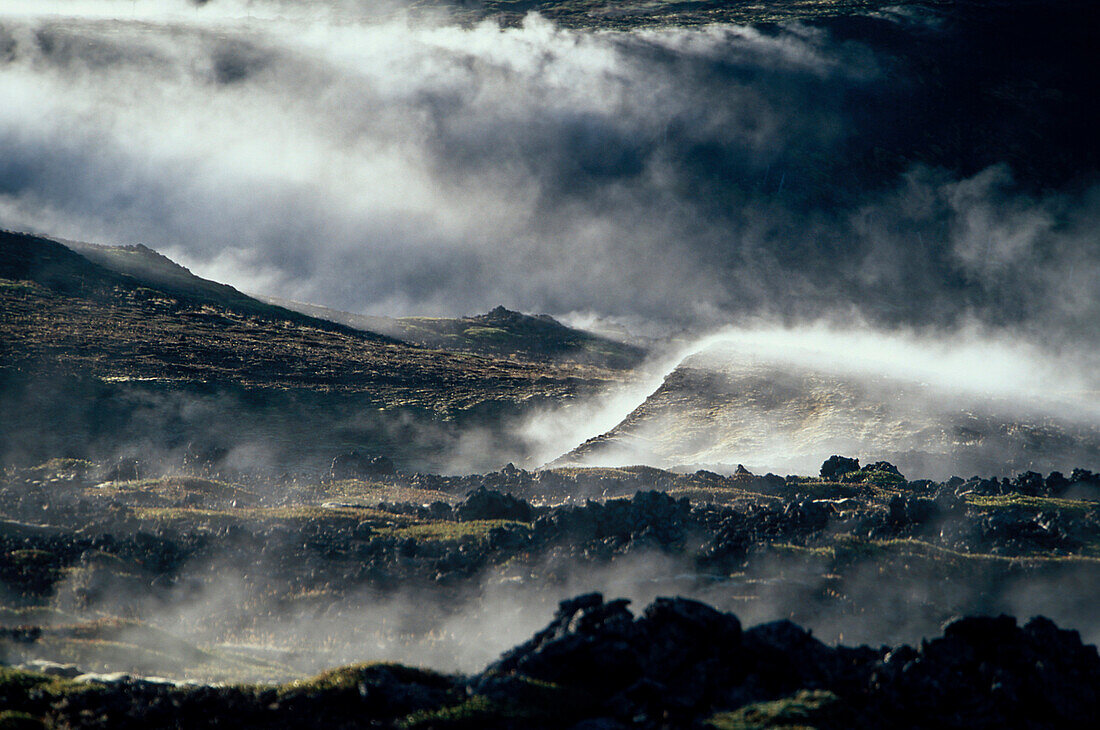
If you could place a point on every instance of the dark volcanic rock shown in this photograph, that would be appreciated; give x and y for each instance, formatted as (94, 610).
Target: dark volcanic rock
(671, 661)
(681, 660)
(488, 504)
(676, 665)
(124, 470)
(837, 466)
(988, 672)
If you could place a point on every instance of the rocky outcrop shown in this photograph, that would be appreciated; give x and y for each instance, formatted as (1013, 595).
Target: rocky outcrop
(837, 466)
(681, 661)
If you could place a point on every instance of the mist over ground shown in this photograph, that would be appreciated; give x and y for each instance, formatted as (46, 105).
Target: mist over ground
(871, 235)
(924, 166)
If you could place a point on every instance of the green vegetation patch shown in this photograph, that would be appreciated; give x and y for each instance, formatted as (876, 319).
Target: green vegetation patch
(24, 287)
(805, 709)
(374, 492)
(475, 713)
(907, 556)
(1021, 501)
(33, 692)
(880, 478)
(33, 616)
(14, 720)
(530, 702)
(489, 333)
(174, 492)
(370, 673)
(715, 495)
(455, 531)
(55, 466)
(289, 516)
(817, 489)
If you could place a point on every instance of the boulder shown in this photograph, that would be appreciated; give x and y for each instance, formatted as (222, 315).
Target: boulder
(837, 466)
(489, 504)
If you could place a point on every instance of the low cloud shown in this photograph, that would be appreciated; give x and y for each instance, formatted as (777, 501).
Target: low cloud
(685, 177)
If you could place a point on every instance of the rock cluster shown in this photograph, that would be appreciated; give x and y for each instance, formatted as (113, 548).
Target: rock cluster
(680, 661)
(679, 664)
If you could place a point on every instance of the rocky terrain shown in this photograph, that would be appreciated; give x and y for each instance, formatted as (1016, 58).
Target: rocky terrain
(156, 587)
(147, 356)
(846, 473)
(679, 664)
(119, 569)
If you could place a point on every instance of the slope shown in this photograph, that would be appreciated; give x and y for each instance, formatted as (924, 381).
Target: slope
(134, 366)
(500, 332)
(156, 271)
(722, 408)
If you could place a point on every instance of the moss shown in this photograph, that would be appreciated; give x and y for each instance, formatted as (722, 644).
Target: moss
(31, 557)
(488, 333)
(352, 676)
(817, 489)
(805, 709)
(289, 516)
(15, 720)
(474, 713)
(1021, 501)
(33, 692)
(371, 492)
(714, 495)
(178, 487)
(909, 553)
(827, 552)
(23, 287)
(33, 615)
(531, 703)
(64, 464)
(875, 477)
(453, 531)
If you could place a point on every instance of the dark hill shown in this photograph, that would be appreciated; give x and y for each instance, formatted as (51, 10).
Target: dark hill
(500, 332)
(155, 358)
(24, 257)
(505, 332)
(87, 269)
(156, 271)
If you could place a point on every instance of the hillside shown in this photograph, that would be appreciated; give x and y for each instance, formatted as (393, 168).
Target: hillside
(95, 347)
(721, 408)
(500, 332)
(156, 271)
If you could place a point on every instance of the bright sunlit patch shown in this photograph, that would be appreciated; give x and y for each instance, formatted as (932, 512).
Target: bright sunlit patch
(966, 360)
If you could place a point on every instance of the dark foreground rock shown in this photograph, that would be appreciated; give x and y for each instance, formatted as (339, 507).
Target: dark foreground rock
(679, 664)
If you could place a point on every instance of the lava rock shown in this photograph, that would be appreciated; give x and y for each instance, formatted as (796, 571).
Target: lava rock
(489, 504)
(837, 466)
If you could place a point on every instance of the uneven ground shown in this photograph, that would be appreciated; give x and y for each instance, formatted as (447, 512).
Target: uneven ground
(189, 576)
(98, 349)
(178, 547)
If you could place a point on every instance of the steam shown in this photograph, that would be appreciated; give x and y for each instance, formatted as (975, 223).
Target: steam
(691, 180)
(359, 159)
(968, 361)
(937, 403)
(463, 629)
